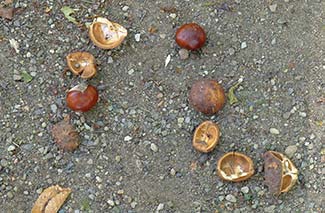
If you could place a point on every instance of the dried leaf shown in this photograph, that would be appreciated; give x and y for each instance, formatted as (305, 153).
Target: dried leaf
(26, 77)
(65, 135)
(51, 199)
(7, 13)
(231, 94)
(67, 11)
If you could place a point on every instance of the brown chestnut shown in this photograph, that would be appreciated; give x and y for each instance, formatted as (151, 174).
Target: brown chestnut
(190, 36)
(207, 96)
(82, 98)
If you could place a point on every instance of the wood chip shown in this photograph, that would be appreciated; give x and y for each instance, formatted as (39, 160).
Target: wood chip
(51, 199)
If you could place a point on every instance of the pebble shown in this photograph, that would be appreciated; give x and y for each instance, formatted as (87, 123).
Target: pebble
(231, 51)
(273, 7)
(154, 147)
(243, 45)
(4, 162)
(173, 15)
(110, 60)
(183, 54)
(125, 8)
(111, 203)
(269, 208)
(231, 198)
(244, 189)
(17, 77)
(302, 114)
(11, 148)
(172, 172)
(291, 150)
(160, 207)
(133, 204)
(54, 108)
(127, 138)
(131, 71)
(274, 131)
(137, 37)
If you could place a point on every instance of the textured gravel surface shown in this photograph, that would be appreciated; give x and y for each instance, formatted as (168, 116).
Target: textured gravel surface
(136, 153)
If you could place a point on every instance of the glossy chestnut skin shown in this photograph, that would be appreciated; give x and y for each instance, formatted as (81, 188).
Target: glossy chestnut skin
(207, 96)
(82, 99)
(190, 36)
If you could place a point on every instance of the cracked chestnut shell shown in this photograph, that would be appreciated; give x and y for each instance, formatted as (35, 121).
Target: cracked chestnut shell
(82, 63)
(207, 96)
(190, 36)
(82, 98)
(280, 173)
(235, 167)
(106, 34)
(206, 136)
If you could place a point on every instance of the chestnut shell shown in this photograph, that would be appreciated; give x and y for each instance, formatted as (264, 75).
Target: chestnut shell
(82, 63)
(280, 173)
(235, 167)
(207, 96)
(206, 136)
(190, 36)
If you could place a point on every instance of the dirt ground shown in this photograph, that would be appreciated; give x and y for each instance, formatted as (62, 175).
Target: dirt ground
(136, 153)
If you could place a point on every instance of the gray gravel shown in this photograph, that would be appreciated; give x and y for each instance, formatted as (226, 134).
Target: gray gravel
(136, 153)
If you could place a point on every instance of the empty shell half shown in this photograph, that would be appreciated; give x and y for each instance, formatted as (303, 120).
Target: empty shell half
(280, 173)
(82, 63)
(206, 136)
(235, 167)
(106, 34)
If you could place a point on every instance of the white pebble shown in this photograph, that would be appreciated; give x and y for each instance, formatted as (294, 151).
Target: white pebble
(243, 45)
(154, 147)
(274, 131)
(137, 37)
(127, 138)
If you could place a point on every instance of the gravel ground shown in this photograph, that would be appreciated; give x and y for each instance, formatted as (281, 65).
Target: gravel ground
(136, 153)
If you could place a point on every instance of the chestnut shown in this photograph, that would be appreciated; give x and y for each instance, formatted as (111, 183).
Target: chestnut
(190, 36)
(206, 136)
(82, 63)
(106, 34)
(280, 173)
(82, 98)
(207, 96)
(235, 167)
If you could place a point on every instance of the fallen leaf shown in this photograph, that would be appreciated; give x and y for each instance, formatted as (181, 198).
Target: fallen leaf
(14, 44)
(231, 94)
(65, 135)
(51, 199)
(7, 13)
(26, 77)
(167, 60)
(67, 11)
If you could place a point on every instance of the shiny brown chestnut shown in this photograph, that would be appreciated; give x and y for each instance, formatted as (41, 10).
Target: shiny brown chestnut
(206, 136)
(207, 96)
(190, 36)
(82, 98)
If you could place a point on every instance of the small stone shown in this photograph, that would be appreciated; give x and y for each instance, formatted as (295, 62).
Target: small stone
(231, 198)
(127, 138)
(118, 158)
(137, 37)
(302, 114)
(154, 147)
(120, 192)
(173, 15)
(17, 77)
(125, 8)
(110, 60)
(111, 203)
(133, 204)
(274, 131)
(172, 172)
(231, 51)
(273, 7)
(243, 45)
(273, 42)
(244, 189)
(183, 54)
(160, 207)
(54, 108)
(291, 150)
(269, 208)
(98, 179)
(11, 148)
(131, 71)
(10, 195)
(4, 162)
